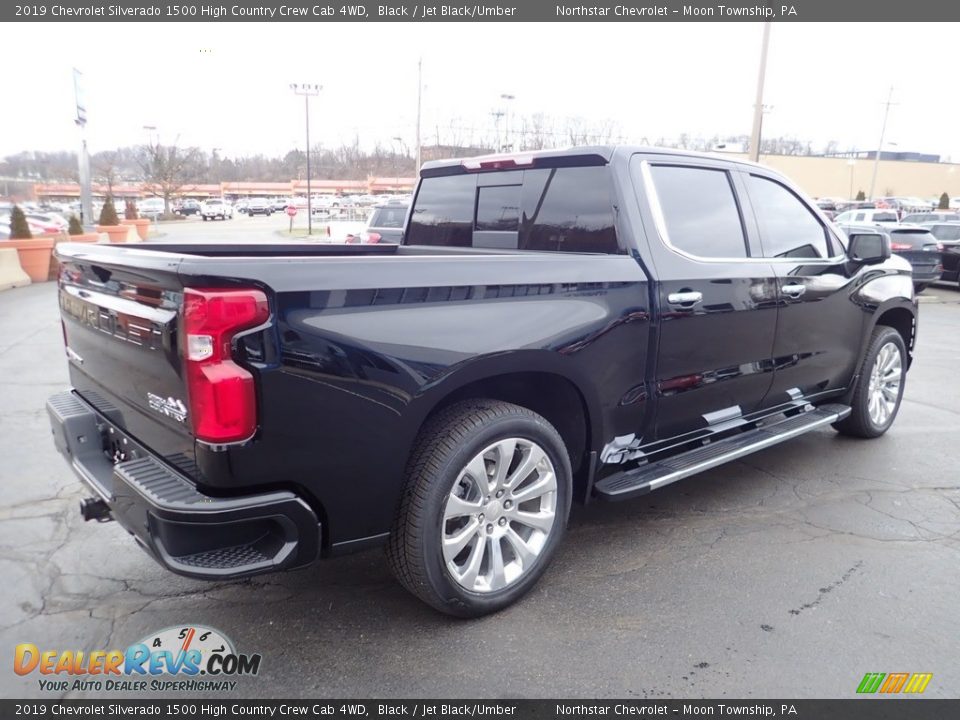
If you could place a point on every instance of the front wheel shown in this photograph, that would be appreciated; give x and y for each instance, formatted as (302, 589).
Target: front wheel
(485, 505)
(876, 398)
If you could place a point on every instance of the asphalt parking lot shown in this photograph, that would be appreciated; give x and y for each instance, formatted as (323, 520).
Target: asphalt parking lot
(257, 227)
(790, 573)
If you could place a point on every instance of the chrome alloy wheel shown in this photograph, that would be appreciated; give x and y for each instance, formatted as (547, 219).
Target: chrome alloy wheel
(499, 514)
(884, 388)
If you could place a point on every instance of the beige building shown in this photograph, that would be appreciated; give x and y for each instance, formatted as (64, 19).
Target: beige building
(843, 178)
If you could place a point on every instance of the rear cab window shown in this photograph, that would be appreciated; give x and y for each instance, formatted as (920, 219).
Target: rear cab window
(553, 209)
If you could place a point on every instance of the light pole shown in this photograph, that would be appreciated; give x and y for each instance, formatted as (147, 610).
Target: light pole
(396, 173)
(307, 90)
(758, 107)
(86, 193)
(506, 132)
(851, 164)
(419, 100)
(883, 131)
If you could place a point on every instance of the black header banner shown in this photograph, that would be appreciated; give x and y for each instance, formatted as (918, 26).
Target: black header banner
(490, 11)
(851, 709)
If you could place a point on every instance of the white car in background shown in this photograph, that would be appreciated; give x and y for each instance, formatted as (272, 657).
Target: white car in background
(214, 209)
(150, 208)
(869, 216)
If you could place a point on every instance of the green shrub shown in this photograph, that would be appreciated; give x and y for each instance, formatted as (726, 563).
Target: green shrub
(944, 202)
(108, 214)
(130, 210)
(861, 195)
(19, 228)
(75, 228)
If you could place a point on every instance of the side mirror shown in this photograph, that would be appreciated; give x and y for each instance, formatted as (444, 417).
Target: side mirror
(869, 248)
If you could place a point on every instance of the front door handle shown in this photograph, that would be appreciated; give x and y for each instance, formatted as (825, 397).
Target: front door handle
(685, 299)
(794, 291)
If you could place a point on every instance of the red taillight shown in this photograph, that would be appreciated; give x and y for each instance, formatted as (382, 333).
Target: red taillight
(900, 246)
(222, 396)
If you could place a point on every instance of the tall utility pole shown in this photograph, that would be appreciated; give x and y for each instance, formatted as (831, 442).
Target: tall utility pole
(883, 131)
(506, 133)
(308, 91)
(419, 98)
(758, 107)
(497, 114)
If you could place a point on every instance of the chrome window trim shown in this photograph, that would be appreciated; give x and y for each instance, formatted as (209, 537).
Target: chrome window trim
(660, 221)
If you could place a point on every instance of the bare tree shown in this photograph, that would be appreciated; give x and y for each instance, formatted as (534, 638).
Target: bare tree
(167, 168)
(106, 166)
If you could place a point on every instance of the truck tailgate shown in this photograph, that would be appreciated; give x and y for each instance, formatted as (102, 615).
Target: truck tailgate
(120, 327)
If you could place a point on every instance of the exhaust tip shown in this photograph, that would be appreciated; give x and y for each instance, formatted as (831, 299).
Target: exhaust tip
(94, 509)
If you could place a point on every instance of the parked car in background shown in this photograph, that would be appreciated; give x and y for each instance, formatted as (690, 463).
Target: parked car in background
(187, 207)
(948, 235)
(151, 208)
(913, 243)
(241, 205)
(215, 209)
(877, 216)
(915, 204)
(280, 204)
(324, 204)
(927, 217)
(37, 227)
(51, 221)
(259, 206)
(385, 225)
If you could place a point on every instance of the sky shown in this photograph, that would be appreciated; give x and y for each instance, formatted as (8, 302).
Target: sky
(226, 86)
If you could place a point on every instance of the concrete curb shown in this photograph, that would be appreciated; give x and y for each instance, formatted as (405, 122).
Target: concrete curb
(11, 274)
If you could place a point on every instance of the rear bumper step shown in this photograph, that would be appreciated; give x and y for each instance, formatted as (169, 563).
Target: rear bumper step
(186, 531)
(633, 483)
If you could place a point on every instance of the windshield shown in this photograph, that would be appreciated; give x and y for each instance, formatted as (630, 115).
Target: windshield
(389, 217)
(946, 232)
(884, 217)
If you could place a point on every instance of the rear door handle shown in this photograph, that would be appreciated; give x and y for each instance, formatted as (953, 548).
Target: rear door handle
(685, 299)
(794, 291)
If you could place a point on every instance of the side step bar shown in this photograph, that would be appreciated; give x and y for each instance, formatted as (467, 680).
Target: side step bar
(639, 481)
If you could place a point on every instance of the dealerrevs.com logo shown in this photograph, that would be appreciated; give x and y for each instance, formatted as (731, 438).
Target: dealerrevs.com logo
(198, 657)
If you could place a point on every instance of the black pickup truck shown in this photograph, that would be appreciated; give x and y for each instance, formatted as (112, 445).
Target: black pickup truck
(554, 327)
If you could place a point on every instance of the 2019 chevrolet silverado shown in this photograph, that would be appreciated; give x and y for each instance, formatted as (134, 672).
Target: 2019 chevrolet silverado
(556, 326)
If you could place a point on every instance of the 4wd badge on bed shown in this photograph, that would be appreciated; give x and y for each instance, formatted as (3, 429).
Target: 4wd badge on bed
(171, 407)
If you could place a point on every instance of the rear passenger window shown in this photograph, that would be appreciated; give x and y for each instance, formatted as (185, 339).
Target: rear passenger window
(700, 211)
(568, 209)
(788, 229)
(443, 213)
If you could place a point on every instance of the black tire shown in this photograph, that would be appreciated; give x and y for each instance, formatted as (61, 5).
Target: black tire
(920, 287)
(205, 218)
(859, 423)
(447, 442)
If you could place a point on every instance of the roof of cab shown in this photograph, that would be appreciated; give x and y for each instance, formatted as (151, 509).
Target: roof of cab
(587, 153)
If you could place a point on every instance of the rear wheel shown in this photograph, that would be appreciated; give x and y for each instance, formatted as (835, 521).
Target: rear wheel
(876, 399)
(485, 505)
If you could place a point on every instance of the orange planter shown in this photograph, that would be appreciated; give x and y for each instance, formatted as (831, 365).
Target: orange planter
(117, 233)
(35, 255)
(82, 238)
(143, 226)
